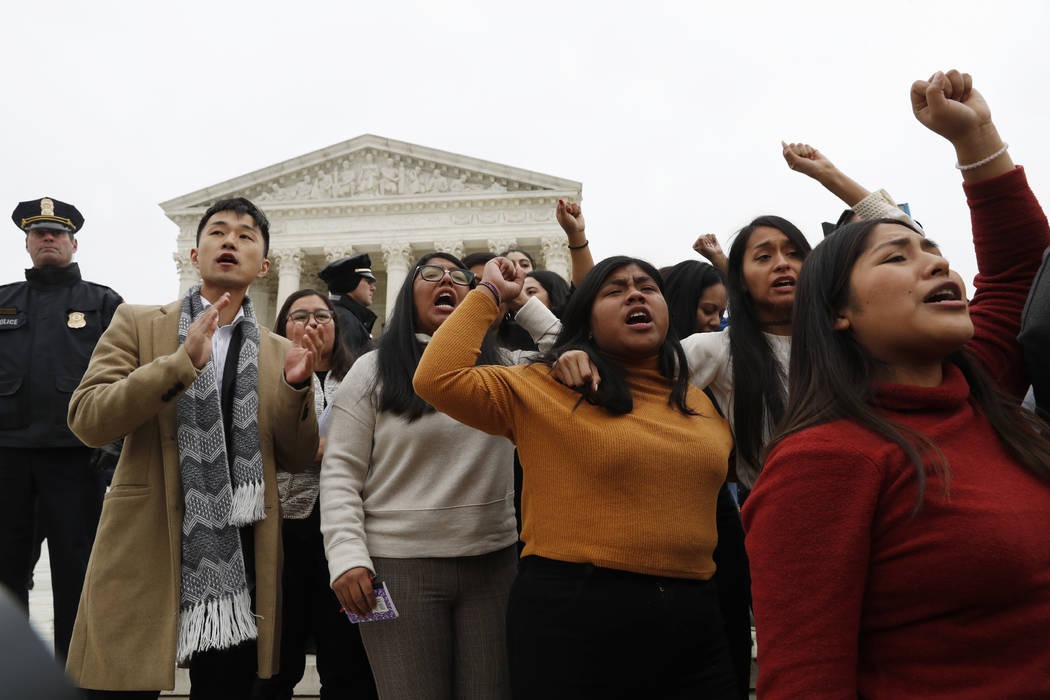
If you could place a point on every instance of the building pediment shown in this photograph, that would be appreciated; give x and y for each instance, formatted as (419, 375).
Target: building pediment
(369, 169)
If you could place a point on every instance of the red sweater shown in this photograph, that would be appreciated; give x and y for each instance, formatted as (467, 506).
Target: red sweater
(855, 596)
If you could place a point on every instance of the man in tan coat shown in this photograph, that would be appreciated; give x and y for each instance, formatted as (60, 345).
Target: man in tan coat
(187, 558)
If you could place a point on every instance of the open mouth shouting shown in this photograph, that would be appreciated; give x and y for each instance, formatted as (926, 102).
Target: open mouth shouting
(227, 260)
(784, 283)
(445, 299)
(639, 318)
(948, 295)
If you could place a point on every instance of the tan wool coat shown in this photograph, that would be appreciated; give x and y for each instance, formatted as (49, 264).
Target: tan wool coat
(127, 624)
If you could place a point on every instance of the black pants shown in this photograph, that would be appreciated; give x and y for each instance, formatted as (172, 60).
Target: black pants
(310, 607)
(217, 674)
(224, 674)
(733, 579)
(61, 488)
(580, 631)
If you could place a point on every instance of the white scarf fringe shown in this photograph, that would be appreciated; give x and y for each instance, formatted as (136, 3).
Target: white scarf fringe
(247, 505)
(216, 624)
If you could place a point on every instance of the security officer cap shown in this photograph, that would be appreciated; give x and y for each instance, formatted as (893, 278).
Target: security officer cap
(345, 274)
(47, 212)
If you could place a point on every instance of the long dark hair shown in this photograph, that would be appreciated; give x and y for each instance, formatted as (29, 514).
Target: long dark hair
(614, 395)
(758, 379)
(340, 360)
(832, 375)
(557, 288)
(684, 284)
(399, 351)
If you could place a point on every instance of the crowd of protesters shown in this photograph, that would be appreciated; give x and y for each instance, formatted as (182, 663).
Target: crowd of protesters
(534, 487)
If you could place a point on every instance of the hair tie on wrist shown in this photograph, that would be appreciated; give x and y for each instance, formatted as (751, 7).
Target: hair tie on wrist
(578, 247)
(983, 161)
(492, 288)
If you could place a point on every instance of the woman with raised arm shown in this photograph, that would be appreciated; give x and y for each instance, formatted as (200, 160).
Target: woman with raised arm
(924, 487)
(425, 503)
(619, 491)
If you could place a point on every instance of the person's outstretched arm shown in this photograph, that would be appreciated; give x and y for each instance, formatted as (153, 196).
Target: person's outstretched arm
(866, 204)
(707, 245)
(1010, 230)
(570, 218)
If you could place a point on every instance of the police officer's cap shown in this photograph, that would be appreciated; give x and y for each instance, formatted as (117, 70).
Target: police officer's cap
(344, 274)
(47, 212)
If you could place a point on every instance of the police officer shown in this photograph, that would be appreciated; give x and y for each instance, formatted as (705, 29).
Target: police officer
(49, 325)
(351, 286)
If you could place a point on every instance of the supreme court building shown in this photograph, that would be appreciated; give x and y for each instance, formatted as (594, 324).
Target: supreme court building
(390, 199)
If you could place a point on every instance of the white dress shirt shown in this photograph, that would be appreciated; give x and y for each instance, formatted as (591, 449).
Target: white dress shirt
(220, 341)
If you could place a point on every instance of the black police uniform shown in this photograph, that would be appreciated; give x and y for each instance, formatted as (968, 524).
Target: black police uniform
(49, 325)
(355, 322)
(355, 319)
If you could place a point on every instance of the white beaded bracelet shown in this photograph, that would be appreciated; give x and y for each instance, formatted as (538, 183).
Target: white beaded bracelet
(984, 161)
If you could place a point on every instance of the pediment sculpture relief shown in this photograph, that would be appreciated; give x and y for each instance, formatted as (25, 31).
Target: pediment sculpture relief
(370, 174)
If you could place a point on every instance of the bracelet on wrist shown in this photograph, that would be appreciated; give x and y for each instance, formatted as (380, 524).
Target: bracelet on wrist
(581, 246)
(492, 288)
(984, 161)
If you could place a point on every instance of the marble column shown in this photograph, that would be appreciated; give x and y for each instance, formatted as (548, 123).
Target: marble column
(397, 256)
(333, 253)
(188, 274)
(289, 265)
(498, 245)
(450, 245)
(556, 255)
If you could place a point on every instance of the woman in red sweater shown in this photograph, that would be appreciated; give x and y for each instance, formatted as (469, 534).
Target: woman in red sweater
(926, 490)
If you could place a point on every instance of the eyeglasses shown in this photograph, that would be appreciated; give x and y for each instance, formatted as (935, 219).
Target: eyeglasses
(433, 273)
(322, 316)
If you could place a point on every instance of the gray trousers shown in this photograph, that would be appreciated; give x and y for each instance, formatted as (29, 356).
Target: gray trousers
(449, 641)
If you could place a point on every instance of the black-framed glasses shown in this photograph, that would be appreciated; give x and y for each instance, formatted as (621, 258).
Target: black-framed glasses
(433, 273)
(322, 316)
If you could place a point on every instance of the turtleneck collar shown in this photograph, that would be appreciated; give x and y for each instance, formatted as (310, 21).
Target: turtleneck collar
(53, 276)
(645, 364)
(903, 398)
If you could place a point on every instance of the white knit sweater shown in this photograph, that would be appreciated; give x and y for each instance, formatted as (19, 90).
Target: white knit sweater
(429, 488)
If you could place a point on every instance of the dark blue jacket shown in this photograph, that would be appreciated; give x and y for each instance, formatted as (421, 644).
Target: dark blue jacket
(49, 325)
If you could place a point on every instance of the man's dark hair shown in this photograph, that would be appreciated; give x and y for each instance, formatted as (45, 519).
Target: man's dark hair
(479, 258)
(239, 205)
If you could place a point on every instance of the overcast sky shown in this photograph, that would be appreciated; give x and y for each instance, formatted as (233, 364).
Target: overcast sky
(670, 114)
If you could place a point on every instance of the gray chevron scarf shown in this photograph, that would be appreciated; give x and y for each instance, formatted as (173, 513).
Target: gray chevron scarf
(215, 604)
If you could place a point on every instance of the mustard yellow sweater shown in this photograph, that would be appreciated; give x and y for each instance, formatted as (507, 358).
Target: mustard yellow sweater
(634, 492)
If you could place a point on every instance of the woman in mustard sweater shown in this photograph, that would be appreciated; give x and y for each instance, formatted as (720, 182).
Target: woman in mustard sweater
(613, 596)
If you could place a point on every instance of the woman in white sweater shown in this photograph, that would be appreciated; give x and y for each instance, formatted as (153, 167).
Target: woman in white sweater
(424, 502)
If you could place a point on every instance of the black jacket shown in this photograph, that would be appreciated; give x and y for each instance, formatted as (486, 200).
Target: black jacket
(49, 325)
(355, 323)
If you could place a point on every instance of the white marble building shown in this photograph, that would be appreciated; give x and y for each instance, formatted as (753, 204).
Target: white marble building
(390, 199)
